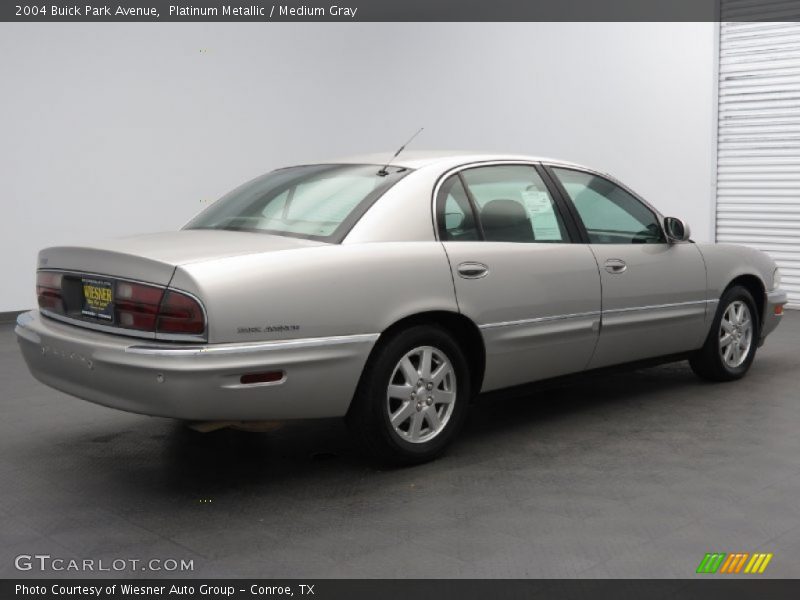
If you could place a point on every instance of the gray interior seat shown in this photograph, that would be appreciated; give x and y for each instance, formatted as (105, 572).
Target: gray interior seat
(506, 221)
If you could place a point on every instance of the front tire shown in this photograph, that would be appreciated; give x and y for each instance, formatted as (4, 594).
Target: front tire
(731, 344)
(412, 397)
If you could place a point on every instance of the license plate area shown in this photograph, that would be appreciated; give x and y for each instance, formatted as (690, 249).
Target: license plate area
(97, 299)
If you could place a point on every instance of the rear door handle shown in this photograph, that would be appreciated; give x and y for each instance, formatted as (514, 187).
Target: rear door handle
(472, 270)
(616, 265)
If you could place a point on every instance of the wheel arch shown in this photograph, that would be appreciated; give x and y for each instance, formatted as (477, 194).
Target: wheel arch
(462, 328)
(728, 265)
(753, 284)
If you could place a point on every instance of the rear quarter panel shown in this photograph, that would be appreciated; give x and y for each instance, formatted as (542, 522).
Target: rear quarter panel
(322, 291)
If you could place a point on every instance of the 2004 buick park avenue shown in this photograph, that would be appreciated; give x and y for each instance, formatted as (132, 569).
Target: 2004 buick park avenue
(391, 295)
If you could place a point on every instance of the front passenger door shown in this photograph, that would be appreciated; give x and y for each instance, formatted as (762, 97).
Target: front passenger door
(654, 292)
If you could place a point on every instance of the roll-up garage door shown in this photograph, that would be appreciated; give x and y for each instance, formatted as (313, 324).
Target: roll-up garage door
(758, 143)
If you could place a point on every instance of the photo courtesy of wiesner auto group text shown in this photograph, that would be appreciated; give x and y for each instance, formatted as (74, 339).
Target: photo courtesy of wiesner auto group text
(400, 299)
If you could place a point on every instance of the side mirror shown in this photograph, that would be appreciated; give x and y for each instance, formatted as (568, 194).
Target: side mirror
(677, 230)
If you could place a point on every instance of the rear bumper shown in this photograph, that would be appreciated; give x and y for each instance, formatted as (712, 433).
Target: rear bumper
(195, 382)
(770, 320)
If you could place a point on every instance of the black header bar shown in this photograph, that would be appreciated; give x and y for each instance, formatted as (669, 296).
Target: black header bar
(398, 10)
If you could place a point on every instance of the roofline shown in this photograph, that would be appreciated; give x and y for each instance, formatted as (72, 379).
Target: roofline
(419, 159)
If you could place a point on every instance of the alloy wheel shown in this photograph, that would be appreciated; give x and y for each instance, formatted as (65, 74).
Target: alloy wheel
(735, 334)
(421, 394)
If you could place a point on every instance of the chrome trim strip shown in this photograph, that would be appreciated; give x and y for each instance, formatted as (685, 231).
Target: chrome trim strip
(247, 347)
(166, 337)
(595, 313)
(147, 335)
(657, 306)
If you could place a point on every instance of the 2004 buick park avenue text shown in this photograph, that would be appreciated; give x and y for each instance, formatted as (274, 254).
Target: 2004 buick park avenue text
(226, 10)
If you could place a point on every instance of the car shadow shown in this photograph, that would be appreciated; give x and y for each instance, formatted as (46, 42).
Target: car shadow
(316, 448)
(163, 458)
(510, 410)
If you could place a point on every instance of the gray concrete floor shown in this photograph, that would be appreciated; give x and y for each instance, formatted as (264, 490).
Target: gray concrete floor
(631, 475)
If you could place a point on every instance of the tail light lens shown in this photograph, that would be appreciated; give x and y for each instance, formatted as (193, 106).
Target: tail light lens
(137, 306)
(180, 314)
(149, 308)
(49, 291)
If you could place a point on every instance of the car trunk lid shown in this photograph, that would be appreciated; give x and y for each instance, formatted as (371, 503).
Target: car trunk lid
(123, 286)
(152, 258)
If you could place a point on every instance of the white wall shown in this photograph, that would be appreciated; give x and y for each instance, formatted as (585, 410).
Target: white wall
(110, 129)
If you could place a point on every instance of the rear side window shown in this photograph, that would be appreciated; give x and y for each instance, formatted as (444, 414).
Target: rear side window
(456, 217)
(610, 214)
(499, 203)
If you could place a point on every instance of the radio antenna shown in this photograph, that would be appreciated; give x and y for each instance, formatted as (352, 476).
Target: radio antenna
(383, 172)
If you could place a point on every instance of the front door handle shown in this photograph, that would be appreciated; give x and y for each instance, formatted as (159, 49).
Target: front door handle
(616, 265)
(472, 270)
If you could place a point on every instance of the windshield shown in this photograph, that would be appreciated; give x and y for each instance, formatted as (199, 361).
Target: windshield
(314, 201)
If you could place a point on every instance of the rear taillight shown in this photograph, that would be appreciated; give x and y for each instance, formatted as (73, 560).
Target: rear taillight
(49, 291)
(180, 314)
(137, 305)
(150, 308)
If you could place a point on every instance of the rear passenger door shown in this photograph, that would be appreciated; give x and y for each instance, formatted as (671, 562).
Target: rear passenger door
(534, 294)
(654, 292)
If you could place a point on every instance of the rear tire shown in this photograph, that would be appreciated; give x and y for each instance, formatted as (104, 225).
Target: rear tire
(412, 397)
(731, 344)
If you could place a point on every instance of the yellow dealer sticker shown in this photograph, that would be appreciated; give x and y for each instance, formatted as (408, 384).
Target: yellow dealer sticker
(98, 299)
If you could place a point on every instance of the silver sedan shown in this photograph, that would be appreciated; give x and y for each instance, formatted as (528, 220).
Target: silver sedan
(392, 294)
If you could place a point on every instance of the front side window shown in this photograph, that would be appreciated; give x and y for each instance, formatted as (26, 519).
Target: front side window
(509, 203)
(610, 214)
(315, 201)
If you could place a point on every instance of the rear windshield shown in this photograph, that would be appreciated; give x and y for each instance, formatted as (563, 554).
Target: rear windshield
(315, 201)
